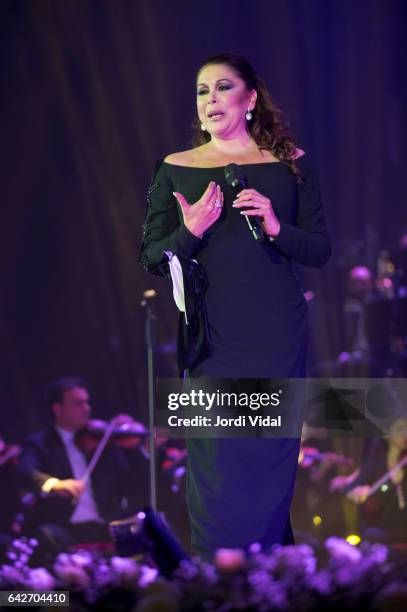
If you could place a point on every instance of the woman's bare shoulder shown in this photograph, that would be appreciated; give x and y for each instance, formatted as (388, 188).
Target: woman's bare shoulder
(183, 158)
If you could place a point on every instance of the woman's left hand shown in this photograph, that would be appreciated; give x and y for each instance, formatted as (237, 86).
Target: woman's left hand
(260, 207)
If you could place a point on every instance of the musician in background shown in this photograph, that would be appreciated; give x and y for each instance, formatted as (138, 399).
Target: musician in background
(355, 342)
(9, 494)
(399, 257)
(367, 324)
(400, 283)
(383, 513)
(316, 514)
(68, 510)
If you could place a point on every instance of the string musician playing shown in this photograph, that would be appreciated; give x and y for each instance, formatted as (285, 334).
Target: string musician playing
(9, 494)
(78, 495)
(379, 487)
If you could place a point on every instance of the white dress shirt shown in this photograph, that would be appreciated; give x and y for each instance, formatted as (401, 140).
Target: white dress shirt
(86, 509)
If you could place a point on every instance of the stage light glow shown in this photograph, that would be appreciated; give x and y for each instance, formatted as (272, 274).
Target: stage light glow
(353, 539)
(316, 519)
(384, 488)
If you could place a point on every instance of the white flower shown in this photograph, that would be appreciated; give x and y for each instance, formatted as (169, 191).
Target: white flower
(11, 574)
(378, 553)
(260, 580)
(126, 569)
(63, 558)
(187, 569)
(345, 576)
(341, 552)
(73, 574)
(255, 548)
(81, 559)
(229, 559)
(298, 560)
(148, 575)
(321, 582)
(39, 579)
(103, 576)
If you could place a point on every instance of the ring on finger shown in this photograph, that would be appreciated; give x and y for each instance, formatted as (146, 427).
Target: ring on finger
(218, 203)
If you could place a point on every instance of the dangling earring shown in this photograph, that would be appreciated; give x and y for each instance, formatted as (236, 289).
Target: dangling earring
(249, 115)
(203, 128)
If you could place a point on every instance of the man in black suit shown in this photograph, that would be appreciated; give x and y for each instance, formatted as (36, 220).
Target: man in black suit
(9, 495)
(69, 510)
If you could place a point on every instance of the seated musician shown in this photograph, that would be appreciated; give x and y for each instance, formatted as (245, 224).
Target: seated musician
(67, 509)
(367, 323)
(9, 495)
(383, 513)
(317, 464)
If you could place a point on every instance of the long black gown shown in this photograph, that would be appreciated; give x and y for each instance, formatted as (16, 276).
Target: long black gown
(239, 490)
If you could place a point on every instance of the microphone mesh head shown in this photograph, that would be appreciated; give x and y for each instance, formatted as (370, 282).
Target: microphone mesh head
(234, 176)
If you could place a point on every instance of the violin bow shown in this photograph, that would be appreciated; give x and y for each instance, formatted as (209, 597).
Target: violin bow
(376, 486)
(99, 450)
(9, 454)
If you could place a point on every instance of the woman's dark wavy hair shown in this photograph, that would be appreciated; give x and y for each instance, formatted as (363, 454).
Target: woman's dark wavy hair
(269, 126)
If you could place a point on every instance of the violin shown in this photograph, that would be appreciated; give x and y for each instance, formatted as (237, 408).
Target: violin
(9, 453)
(173, 458)
(97, 435)
(127, 434)
(310, 455)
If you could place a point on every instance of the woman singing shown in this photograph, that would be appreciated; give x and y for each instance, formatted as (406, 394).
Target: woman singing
(240, 490)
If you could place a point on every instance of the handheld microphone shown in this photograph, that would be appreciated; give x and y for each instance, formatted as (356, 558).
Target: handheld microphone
(236, 179)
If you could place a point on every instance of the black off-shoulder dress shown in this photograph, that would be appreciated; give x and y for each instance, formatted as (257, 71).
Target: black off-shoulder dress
(239, 490)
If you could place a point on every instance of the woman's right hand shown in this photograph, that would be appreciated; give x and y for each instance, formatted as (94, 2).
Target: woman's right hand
(198, 217)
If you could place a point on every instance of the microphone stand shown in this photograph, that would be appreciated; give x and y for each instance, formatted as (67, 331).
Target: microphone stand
(149, 338)
(147, 532)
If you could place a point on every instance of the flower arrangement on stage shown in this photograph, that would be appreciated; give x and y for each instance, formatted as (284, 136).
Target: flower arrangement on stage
(287, 578)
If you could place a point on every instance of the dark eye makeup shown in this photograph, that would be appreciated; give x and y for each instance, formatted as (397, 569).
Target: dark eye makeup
(221, 87)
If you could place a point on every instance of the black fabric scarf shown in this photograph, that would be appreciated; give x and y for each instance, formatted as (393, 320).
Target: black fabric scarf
(193, 338)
